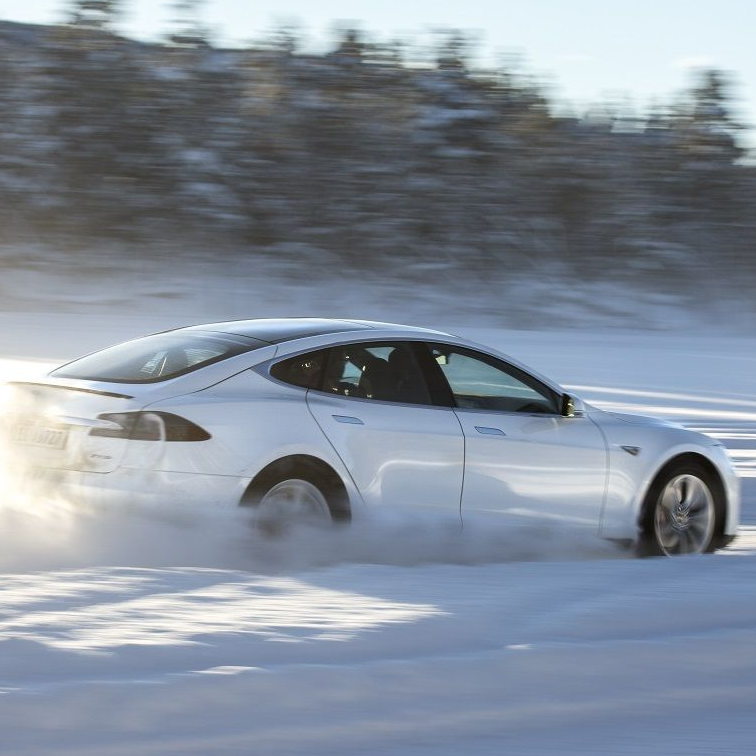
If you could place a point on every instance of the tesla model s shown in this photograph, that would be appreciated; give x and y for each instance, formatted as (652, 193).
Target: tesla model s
(323, 419)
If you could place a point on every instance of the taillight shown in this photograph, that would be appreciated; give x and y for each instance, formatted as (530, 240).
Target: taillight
(149, 426)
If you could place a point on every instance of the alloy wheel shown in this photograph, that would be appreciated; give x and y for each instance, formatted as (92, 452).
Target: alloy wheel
(684, 516)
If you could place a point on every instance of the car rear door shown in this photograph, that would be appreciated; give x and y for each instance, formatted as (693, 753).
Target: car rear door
(376, 411)
(522, 457)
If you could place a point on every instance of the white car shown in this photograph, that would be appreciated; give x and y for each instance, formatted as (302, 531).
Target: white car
(321, 418)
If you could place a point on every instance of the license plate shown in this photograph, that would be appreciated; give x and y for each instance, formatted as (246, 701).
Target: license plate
(40, 435)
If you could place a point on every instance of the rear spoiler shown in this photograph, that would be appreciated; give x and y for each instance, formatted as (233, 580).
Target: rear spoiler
(69, 388)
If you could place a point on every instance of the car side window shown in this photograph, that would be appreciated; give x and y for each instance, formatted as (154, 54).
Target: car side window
(386, 371)
(482, 382)
(304, 370)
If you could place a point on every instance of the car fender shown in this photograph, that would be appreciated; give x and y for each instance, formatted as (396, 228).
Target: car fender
(637, 452)
(253, 422)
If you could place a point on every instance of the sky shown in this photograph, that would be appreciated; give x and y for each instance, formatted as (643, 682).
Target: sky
(586, 50)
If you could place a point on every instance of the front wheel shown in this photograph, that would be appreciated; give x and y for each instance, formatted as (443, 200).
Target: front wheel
(682, 513)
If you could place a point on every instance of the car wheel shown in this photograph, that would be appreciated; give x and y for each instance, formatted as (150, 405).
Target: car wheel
(293, 501)
(682, 514)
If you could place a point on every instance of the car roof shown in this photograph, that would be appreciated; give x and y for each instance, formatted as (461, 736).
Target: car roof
(279, 330)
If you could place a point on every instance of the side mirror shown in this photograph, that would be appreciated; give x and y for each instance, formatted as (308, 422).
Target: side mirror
(572, 406)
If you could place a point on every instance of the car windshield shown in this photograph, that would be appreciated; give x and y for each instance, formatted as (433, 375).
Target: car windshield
(157, 358)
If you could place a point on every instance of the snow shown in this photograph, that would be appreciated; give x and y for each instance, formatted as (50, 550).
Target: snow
(131, 631)
(583, 657)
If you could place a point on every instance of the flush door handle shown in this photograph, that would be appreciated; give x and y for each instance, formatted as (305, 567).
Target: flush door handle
(348, 419)
(482, 429)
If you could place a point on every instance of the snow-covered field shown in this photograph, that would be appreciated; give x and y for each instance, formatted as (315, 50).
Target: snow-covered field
(181, 632)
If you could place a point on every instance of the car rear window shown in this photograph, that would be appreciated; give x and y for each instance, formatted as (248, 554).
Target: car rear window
(304, 370)
(157, 358)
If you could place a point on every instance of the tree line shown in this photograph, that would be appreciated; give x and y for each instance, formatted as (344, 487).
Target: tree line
(357, 158)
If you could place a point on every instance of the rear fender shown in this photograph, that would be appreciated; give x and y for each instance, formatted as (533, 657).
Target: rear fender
(253, 422)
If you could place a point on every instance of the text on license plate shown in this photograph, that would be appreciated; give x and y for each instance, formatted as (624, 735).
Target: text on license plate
(40, 435)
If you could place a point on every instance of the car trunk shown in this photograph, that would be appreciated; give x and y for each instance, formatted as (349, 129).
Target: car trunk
(49, 425)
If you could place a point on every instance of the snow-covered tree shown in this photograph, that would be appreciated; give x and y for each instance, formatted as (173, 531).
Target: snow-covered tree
(713, 130)
(98, 14)
(187, 26)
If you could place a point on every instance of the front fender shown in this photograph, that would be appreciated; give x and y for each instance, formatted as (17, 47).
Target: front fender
(632, 473)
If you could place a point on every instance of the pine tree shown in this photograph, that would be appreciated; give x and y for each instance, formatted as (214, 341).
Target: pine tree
(452, 53)
(350, 46)
(188, 28)
(97, 14)
(711, 129)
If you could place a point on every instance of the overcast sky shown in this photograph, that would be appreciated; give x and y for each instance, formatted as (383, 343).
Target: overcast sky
(588, 49)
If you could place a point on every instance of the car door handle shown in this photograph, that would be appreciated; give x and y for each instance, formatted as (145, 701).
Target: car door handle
(489, 431)
(347, 419)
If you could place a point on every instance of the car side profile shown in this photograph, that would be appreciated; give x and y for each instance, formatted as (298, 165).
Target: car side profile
(317, 418)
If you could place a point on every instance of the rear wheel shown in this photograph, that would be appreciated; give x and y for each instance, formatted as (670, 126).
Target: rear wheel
(683, 513)
(294, 490)
(293, 501)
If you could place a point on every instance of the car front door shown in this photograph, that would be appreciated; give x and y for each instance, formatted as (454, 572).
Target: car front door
(375, 408)
(522, 457)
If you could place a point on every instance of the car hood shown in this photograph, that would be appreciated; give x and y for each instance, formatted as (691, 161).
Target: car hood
(638, 419)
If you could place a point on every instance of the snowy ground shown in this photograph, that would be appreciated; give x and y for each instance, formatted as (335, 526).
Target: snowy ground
(181, 633)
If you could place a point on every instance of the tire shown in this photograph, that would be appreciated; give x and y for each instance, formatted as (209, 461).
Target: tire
(683, 512)
(292, 502)
(297, 491)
